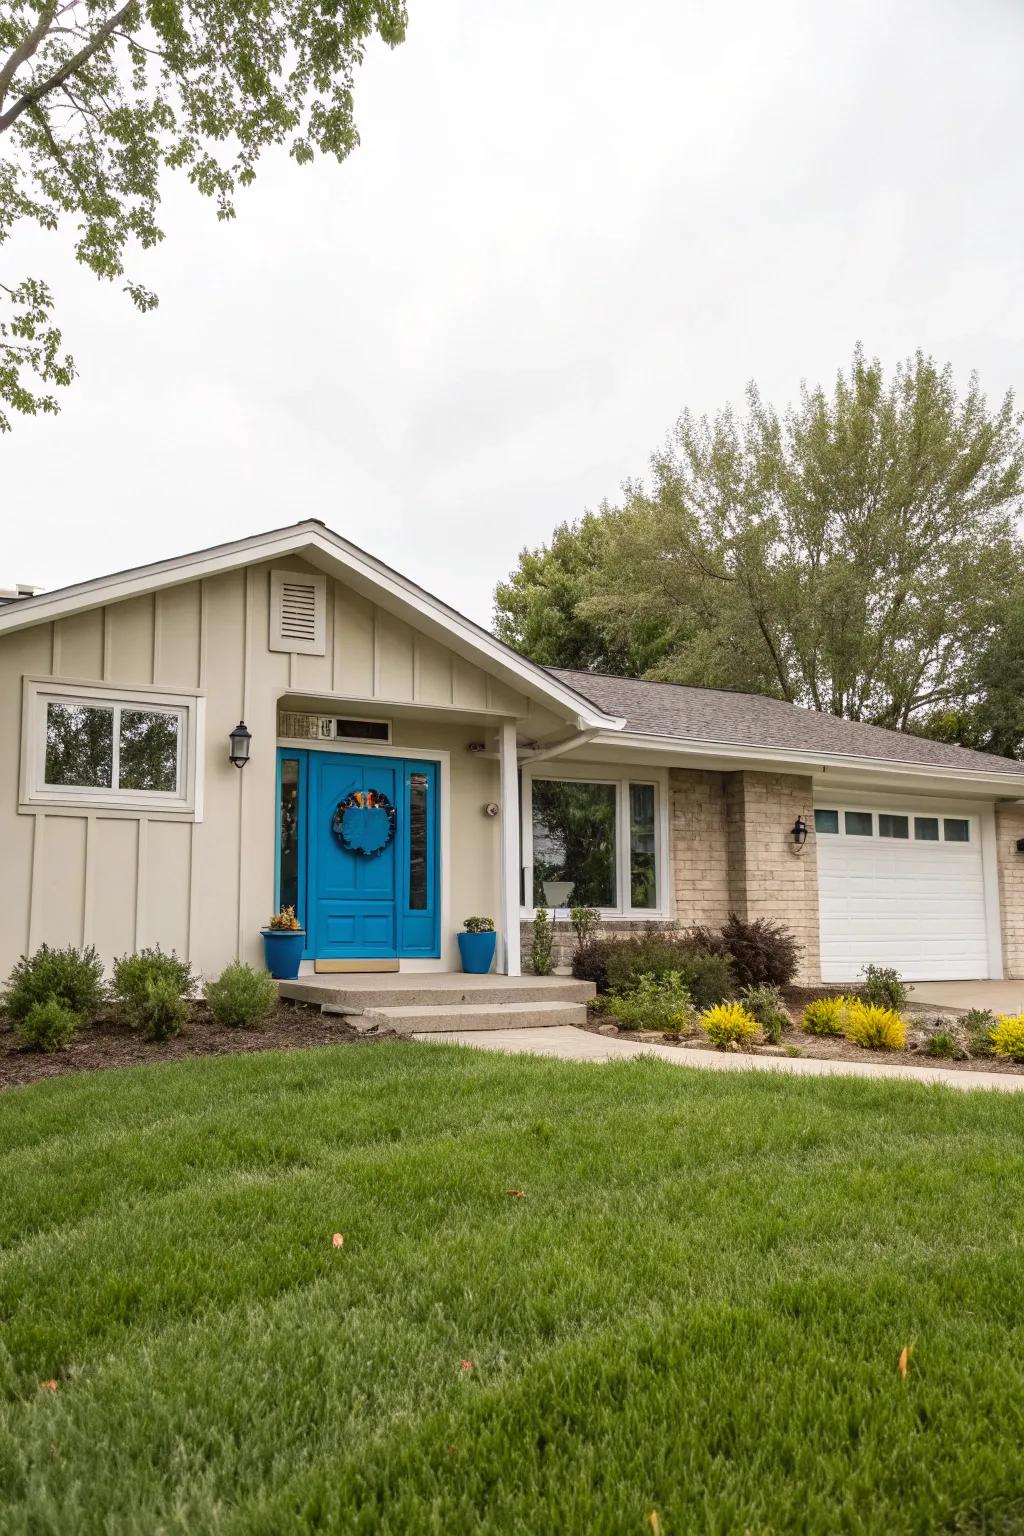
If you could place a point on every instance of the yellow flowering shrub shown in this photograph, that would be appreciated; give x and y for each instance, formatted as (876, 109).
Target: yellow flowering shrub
(874, 1027)
(825, 1016)
(726, 1022)
(1007, 1036)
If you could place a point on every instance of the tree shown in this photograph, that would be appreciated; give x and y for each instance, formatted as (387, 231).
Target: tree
(98, 98)
(851, 554)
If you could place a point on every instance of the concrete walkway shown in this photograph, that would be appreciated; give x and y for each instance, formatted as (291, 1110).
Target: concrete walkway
(1000, 996)
(570, 1044)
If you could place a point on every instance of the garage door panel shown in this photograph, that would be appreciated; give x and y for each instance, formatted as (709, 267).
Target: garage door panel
(918, 906)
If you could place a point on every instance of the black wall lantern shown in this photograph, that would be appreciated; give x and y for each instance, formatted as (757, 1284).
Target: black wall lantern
(240, 739)
(799, 832)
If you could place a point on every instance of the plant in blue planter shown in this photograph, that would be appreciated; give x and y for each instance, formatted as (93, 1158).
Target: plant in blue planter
(477, 945)
(284, 939)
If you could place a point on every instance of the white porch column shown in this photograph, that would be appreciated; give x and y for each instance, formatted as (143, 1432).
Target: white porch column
(509, 867)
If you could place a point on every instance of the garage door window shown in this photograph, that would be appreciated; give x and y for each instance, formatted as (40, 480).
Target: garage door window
(826, 821)
(956, 830)
(859, 823)
(926, 829)
(893, 826)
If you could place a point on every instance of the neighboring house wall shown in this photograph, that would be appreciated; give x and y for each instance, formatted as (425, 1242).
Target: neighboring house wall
(1010, 868)
(124, 879)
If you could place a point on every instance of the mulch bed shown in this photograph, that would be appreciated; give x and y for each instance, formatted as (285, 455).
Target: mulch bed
(109, 1044)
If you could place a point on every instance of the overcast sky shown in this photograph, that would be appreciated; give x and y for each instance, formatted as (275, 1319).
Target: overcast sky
(567, 221)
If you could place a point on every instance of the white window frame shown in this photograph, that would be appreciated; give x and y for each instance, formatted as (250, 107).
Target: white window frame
(821, 803)
(565, 774)
(189, 707)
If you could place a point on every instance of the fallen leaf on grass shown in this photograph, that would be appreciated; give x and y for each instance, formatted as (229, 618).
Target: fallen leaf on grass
(517, 1194)
(655, 1523)
(903, 1360)
(465, 1365)
(48, 1386)
(338, 1239)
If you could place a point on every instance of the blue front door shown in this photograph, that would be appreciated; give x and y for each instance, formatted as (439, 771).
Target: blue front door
(371, 862)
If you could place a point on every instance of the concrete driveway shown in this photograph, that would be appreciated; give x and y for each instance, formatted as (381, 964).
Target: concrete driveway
(999, 996)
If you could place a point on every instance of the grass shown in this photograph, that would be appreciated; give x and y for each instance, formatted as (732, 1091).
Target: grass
(696, 1308)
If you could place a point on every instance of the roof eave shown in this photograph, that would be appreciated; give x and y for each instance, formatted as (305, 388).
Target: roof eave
(808, 761)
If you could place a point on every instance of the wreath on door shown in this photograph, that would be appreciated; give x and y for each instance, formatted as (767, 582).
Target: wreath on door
(364, 822)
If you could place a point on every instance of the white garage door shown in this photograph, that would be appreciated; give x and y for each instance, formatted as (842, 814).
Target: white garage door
(900, 888)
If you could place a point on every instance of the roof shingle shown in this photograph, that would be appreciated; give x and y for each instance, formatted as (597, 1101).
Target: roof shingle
(717, 716)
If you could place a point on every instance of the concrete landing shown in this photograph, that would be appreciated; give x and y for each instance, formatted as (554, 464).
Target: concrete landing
(581, 1045)
(427, 1002)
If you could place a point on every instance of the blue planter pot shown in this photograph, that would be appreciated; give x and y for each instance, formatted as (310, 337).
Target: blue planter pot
(282, 952)
(477, 951)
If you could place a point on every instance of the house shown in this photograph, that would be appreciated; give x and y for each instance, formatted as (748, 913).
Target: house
(499, 784)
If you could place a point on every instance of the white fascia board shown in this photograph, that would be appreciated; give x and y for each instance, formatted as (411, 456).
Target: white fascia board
(310, 537)
(755, 757)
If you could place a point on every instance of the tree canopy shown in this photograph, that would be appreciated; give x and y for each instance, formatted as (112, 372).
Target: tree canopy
(98, 98)
(857, 553)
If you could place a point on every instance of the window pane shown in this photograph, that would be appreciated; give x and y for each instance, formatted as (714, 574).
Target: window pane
(893, 826)
(79, 745)
(955, 830)
(574, 839)
(926, 829)
(149, 750)
(361, 730)
(826, 821)
(858, 824)
(417, 841)
(288, 896)
(643, 881)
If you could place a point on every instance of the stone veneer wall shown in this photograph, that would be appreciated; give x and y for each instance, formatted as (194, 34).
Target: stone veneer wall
(731, 852)
(1010, 871)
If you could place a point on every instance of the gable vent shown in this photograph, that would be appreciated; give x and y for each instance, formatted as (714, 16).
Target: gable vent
(297, 612)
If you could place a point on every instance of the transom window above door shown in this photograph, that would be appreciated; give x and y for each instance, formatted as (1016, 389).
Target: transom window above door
(601, 838)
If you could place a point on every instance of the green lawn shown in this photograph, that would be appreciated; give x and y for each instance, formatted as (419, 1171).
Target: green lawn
(697, 1308)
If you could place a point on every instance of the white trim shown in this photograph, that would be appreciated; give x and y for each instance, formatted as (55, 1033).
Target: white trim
(598, 774)
(301, 539)
(428, 754)
(765, 759)
(509, 874)
(186, 704)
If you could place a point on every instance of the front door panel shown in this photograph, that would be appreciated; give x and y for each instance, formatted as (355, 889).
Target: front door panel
(371, 896)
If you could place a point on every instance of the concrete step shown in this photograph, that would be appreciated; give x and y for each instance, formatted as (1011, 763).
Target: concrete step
(418, 1019)
(338, 994)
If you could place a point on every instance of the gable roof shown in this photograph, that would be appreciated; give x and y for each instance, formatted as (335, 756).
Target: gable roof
(718, 717)
(329, 551)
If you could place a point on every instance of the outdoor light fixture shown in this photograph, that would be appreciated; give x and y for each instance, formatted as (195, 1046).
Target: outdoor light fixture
(240, 740)
(799, 832)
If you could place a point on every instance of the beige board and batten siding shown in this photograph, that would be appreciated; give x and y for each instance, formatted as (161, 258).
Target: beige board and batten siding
(122, 879)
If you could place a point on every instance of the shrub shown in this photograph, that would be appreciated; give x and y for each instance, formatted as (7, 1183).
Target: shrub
(884, 986)
(74, 977)
(47, 1026)
(656, 1002)
(824, 1016)
(873, 1027)
(135, 977)
(766, 1004)
(944, 1046)
(585, 923)
(726, 1023)
(707, 978)
(590, 963)
(479, 925)
(285, 921)
(763, 952)
(162, 1011)
(540, 949)
(1008, 1036)
(977, 1025)
(241, 996)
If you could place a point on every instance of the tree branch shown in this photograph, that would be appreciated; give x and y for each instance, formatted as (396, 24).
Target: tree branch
(67, 69)
(25, 49)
